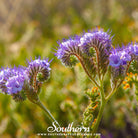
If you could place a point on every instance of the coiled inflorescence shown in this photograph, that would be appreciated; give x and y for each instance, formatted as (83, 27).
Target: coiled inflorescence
(100, 41)
(67, 49)
(92, 49)
(121, 58)
(17, 81)
(38, 71)
(12, 81)
(95, 52)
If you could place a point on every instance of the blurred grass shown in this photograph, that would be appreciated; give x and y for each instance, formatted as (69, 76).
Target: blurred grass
(33, 32)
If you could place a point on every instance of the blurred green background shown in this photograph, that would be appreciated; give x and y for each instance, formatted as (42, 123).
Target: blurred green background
(31, 29)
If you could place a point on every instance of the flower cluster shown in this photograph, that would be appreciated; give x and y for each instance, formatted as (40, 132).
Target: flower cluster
(90, 114)
(120, 60)
(39, 68)
(93, 46)
(119, 57)
(122, 56)
(68, 48)
(95, 52)
(97, 39)
(13, 81)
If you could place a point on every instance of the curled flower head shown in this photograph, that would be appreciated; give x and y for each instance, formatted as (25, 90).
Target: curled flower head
(6, 75)
(119, 60)
(98, 44)
(12, 81)
(21, 82)
(67, 48)
(92, 47)
(119, 57)
(114, 59)
(38, 70)
(96, 38)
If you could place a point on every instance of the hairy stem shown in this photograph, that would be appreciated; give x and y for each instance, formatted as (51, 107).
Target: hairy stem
(87, 72)
(97, 55)
(111, 94)
(103, 102)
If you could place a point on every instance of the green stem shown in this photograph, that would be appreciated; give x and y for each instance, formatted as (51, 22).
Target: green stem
(48, 113)
(89, 75)
(103, 103)
(105, 100)
(111, 94)
(102, 91)
(114, 91)
(87, 72)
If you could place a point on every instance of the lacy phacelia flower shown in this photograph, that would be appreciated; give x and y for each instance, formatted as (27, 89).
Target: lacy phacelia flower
(38, 70)
(133, 49)
(25, 82)
(119, 57)
(97, 44)
(114, 59)
(92, 47)
(8, 78)
(68, 48)
(15, 84)
(95, 39)
(124, 56)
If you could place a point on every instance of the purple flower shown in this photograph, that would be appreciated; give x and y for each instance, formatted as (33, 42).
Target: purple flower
(67, 48)
(23, 82)
(38, 66)
(119, 57)
(8, 76)
(15, 84)
(124, 56)
(4, 74)
(133, 49)
(96, 38)
(114, 59)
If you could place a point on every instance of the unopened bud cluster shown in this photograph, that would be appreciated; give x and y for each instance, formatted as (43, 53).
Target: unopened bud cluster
(90, 113)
